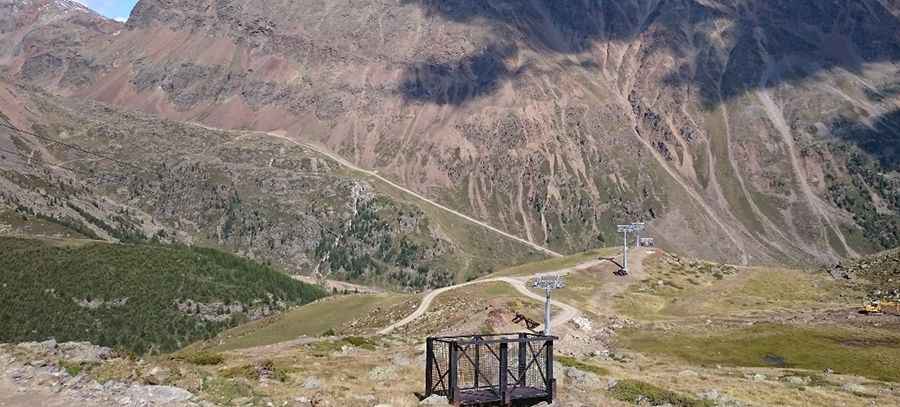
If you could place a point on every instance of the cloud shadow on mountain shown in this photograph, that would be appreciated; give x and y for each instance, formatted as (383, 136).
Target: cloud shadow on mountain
(800, 38)
(879, 137)
(457, 81)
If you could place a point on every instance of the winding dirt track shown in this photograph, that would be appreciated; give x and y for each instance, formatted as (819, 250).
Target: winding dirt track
(415, 194)
(340, 160)
(568, 312)
(520, 284)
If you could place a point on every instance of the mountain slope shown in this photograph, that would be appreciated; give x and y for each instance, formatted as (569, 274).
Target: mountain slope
(88, 170)
(722, 122)
(44, 40)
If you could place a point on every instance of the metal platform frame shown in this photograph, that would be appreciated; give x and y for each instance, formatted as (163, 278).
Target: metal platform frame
(498, 369)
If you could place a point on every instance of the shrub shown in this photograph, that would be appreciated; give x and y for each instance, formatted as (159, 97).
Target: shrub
(634, 391)
(138, 287)
(72, 368)
(360, 342)
(577, 364)
(254, 372)
(205, 358)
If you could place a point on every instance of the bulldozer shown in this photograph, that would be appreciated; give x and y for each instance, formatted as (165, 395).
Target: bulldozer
(882, 307)
(529, 323)
(621, 272)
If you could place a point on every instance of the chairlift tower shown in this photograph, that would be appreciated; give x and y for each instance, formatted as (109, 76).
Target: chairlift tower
(548, 284)
(638, 228)
(625, 229)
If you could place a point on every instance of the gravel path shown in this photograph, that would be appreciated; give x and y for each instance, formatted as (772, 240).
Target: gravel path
(520, 284)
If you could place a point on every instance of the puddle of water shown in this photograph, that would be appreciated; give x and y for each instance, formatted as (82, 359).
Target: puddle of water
(774, 360)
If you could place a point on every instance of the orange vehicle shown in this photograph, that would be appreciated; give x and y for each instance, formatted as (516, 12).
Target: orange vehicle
(882, 307)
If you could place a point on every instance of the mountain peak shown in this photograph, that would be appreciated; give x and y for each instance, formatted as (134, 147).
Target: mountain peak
(52, 7)
(69, 5)
(23, 13)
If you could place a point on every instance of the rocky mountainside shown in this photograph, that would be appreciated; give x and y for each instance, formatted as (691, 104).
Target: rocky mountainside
(878, 275)
(133, 178)
(44, 40)
(753, 131)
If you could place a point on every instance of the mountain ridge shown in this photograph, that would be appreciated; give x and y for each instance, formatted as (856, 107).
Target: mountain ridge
(555, 122)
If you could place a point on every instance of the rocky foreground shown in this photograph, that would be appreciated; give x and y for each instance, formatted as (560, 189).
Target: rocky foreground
(50, 374)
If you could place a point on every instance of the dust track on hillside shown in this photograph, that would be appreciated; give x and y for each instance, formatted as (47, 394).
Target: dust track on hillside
(603, 297)
(340, 160)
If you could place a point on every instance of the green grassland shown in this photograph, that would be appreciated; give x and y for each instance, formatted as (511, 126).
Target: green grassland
(569, 361)
(126, 296)
(690, 292)
(872, 353)
(309, 320)
(710, 290)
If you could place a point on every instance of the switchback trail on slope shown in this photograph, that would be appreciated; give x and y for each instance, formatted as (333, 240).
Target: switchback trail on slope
(520, 284)
(374, 174)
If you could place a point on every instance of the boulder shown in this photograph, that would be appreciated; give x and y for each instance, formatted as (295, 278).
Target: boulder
(158, 394)
(312, 383)
(382, 373)
(853, 388)
(579, 378)
(583, 324)
(797, 380)
(610, 383)
(157, 376)
(45, 348)
(400, 360)
(720, 399)
(84, 352)
(435, 400)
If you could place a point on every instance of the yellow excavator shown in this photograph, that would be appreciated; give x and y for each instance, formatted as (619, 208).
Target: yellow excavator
(882, 307)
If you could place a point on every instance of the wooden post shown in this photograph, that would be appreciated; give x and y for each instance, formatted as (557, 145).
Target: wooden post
(551, 382)
(523, 358)
(453, 377)
(429, 367)
(504, 366)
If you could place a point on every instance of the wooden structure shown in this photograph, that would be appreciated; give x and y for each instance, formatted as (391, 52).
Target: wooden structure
(500, 369)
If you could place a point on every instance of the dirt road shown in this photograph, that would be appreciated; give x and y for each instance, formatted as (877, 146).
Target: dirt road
(610, 286)
(568, 313)
(374, 174)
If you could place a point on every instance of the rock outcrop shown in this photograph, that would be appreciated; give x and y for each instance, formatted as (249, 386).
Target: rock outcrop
(34, 369)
